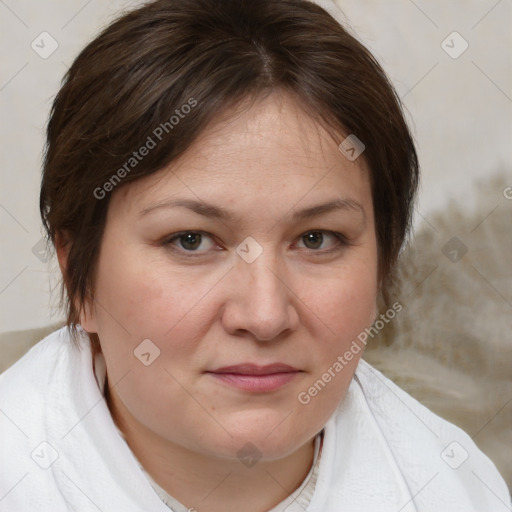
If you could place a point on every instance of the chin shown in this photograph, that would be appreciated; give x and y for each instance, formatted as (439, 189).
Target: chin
(265, 434)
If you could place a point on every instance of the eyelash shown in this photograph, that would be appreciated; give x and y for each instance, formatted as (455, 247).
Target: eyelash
(341, 240)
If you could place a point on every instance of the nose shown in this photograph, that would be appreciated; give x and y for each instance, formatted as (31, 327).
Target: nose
(261, 301)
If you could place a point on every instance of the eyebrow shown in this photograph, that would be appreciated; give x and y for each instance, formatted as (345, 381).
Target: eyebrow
(218, 212)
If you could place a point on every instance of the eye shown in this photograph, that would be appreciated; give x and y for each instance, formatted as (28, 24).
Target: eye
(191, 241)
(314, 240)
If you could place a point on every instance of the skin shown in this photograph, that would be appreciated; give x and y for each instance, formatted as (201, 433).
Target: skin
(301, 302)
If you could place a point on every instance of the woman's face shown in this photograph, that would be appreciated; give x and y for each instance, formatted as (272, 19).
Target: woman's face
(231, 281)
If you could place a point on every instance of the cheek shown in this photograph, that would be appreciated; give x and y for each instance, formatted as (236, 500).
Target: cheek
(147, 297)
(343, 308)
(344, 302)
(140, 298)
(141, 301)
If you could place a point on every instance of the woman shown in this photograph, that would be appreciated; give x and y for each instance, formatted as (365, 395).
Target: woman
(227, 186)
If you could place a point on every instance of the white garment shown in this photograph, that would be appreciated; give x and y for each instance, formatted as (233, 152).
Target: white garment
(382, 450)
(295, 502)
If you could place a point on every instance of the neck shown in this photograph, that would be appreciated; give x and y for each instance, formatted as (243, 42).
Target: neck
(210, 484)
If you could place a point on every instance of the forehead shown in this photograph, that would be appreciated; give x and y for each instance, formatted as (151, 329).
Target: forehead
(271, 148)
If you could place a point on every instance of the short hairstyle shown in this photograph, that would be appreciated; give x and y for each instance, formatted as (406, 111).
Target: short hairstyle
(170, 67)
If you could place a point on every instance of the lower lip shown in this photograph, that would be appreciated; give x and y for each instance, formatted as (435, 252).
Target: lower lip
(256, 383)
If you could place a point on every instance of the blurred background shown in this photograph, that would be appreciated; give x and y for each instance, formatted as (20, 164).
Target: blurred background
(451, 63)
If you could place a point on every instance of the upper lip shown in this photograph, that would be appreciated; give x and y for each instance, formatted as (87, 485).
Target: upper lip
(253, 369)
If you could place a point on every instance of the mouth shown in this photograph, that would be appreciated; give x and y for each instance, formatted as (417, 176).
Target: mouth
(256, 379)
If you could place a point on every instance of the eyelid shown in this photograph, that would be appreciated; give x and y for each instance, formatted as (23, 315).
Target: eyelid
(168, 241)
(340, 238)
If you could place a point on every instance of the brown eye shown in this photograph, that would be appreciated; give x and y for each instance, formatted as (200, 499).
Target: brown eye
(190, 241)
(313, 240)
(323, 241)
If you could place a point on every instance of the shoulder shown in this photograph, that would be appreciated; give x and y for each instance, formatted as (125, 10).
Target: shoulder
(26, 386)
(424, 444)
(38, 408)
(43, 356)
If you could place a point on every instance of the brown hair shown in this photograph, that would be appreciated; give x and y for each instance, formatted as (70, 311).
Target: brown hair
(138, 75)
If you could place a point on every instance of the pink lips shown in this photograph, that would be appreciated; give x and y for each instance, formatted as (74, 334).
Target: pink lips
(254, 378)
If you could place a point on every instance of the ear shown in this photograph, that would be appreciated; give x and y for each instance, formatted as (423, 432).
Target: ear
(62, 246)
(87, 317)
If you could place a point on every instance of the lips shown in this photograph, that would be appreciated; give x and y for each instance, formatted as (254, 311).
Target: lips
(252, 369)
(254, 378)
